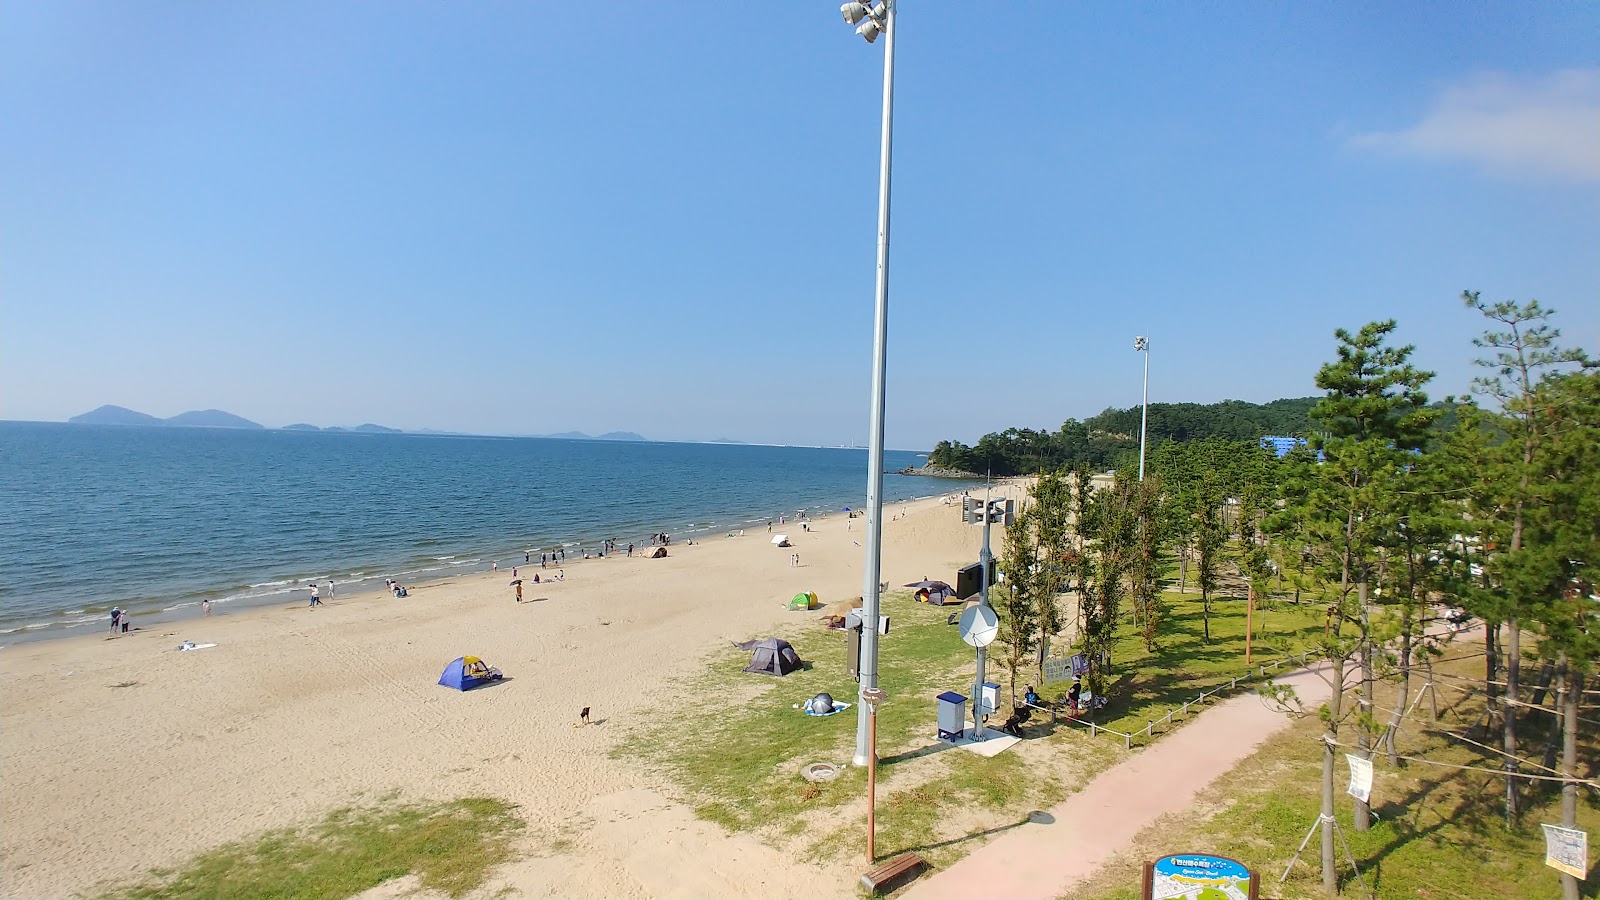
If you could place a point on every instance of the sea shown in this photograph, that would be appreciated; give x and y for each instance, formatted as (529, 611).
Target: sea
(156, 520)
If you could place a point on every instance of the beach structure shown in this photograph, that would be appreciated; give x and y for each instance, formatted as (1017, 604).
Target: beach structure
(804, 600)
(466, 672)
(773, 656)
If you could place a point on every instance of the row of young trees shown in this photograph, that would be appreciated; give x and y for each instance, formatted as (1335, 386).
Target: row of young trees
(1391, 510)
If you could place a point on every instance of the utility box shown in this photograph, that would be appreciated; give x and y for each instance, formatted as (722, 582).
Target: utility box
(969, 579)
(952, 715)
(990, 700)
(852, 648)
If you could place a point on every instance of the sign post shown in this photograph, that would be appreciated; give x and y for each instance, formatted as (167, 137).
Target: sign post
(1198, 876)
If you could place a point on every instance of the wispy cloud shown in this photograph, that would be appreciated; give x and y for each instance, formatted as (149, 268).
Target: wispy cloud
(1545, 126)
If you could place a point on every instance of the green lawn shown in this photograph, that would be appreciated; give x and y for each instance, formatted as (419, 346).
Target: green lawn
(450, 847)
(1146, 685)
(1440, 833)
(736, 754)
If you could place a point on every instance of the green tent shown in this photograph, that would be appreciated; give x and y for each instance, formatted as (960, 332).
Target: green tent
(804, 601)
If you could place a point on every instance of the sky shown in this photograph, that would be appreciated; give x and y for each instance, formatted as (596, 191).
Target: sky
(659, 217)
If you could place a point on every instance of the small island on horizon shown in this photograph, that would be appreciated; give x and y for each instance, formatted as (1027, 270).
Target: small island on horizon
(216, 418)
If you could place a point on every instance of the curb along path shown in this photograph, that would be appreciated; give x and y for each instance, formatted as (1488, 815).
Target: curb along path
(1048, 861)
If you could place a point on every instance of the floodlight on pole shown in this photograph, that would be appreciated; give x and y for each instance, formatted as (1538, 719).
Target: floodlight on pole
(1141, 344)
(880, 18)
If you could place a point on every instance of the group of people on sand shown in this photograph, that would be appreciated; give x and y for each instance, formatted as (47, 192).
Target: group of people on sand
(560, 575)
(545, 559)
(121, 620)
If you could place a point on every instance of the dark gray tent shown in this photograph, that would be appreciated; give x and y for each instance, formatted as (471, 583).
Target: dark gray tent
(773, 657)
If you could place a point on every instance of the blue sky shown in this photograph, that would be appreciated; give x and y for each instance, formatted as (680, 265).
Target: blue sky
(659, 217)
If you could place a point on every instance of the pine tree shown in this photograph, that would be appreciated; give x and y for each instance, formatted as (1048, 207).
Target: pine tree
(1343, 499)
(1524, 360)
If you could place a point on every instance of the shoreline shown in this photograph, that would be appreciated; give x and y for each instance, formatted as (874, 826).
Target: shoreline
(283, 713)
(94, 619)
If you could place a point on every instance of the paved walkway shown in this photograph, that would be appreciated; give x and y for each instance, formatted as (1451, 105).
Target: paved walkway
(1048, 861)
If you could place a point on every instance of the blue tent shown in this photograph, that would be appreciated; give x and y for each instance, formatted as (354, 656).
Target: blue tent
(465, 672)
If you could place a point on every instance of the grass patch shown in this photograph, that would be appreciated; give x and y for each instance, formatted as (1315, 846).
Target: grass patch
(1146, 684)
(739, 756)
(450, 847)
(1439, 833)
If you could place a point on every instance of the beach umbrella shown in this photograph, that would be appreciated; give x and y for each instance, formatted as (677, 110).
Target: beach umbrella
(779, 538)
(516, 581)
(931, 586)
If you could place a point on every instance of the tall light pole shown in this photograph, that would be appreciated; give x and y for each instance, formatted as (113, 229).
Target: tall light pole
(1142, 345)
(871, 22)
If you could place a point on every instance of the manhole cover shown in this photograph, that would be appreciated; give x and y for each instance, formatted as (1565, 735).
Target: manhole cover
(820, 772)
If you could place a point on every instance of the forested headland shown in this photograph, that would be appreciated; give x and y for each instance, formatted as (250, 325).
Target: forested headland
(1111, 439)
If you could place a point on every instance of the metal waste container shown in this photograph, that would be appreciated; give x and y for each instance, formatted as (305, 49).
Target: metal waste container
(952, 715)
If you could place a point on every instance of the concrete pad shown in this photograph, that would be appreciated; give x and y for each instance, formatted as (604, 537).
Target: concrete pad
(991, 745)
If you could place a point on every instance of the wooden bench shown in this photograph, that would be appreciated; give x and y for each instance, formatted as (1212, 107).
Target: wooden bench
(892, 871)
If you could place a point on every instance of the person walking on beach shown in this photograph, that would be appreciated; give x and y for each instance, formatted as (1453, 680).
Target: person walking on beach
(518, 583)
(127, 621)
(116, 618)
(205, 606)
(316, 596)
(526, 556)
(330, 588)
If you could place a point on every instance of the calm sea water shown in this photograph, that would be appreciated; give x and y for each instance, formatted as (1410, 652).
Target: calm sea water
(158, 519)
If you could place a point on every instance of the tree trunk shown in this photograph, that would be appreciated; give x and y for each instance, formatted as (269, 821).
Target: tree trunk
(1491, 666)
(1183, 570)
(1330, 870)
(1546, 674)
(1362, 819)
(1405, 694)
(1433, 693)
(1509, 716)
(1569, 767)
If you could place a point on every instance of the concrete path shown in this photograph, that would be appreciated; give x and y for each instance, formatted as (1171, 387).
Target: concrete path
(1048, 861)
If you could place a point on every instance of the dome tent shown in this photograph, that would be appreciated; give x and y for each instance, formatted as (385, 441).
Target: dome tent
(465, 672)
(773, 656)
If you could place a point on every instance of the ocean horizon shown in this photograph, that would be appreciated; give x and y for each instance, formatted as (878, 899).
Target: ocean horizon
(158, 520)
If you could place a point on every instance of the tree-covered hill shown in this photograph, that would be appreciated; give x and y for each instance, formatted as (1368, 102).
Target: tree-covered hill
(1107, 439)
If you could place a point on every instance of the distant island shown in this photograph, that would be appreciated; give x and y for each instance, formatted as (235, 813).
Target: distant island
(580, 436)
(216, 418)
(201, 418)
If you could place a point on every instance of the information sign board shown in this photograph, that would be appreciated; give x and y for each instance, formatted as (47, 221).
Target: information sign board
(1198, 876)
(1360, 777)
(1566, 850)
(1057, 670)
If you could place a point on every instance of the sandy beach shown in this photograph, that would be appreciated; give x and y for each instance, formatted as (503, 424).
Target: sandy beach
(123, 754)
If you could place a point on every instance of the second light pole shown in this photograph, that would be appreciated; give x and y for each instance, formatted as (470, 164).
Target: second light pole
(1141, 344)
(872, 21)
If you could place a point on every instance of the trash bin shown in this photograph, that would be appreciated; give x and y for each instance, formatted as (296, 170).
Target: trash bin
(952, 715)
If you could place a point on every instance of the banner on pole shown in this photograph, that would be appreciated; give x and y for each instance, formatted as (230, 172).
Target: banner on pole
(1360, 777)
(1566, 850)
